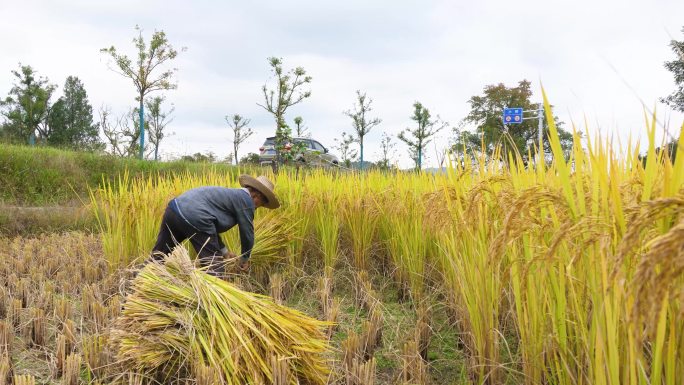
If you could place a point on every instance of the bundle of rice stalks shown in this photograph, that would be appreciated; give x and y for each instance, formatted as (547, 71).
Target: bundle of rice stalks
(272, 234)
(177, 318)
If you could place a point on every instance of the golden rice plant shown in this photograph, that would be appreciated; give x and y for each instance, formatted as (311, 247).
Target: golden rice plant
(299, 207)
(129, 211)
(327, 227)
(177, 318)
(360, 215)
(566, 272)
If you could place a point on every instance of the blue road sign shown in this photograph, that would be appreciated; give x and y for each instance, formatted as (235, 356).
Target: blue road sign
(513, 115)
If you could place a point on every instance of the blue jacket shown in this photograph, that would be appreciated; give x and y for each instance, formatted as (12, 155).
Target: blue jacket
(213, 210)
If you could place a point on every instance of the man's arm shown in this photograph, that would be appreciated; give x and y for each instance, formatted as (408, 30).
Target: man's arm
(245, 222)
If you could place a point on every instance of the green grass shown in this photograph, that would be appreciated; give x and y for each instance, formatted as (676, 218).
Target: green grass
(39, 176)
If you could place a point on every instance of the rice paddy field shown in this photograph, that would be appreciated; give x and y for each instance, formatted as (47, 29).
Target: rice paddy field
(495, 272)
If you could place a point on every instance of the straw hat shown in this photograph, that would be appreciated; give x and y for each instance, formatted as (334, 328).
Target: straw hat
(264, 186)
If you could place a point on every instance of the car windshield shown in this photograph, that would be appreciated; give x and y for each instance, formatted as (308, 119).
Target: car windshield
(269, 142)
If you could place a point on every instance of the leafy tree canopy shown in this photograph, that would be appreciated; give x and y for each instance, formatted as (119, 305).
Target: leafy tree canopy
(676, 66)
(486, 112)
(26, 107)
(71, 119)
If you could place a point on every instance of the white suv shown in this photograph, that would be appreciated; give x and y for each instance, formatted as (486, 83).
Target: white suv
(314, 153)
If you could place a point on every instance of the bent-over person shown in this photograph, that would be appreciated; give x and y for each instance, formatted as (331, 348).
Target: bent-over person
(202, 213)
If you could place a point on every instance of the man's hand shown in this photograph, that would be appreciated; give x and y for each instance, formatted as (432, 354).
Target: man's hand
(243, 264)
(229, 255)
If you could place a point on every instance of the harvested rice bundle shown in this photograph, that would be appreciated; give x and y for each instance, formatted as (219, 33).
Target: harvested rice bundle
(272, 234)
(178, 318)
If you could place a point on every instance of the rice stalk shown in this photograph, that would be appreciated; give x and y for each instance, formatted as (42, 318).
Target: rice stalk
(6, 336)
(61, 352)
(24, 379)
(361, 373)
(6, 372)
(352, 350)
(325, 290)
(413, 367)
(72, 369)
(280, 369)
(38, 331)
(93, 353)
(207, 375)
(277, 287)
(14, 313)
(371, 334)
(423, 330)
(331, 315)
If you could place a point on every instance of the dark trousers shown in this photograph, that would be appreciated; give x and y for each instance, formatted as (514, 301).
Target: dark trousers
(175, 230)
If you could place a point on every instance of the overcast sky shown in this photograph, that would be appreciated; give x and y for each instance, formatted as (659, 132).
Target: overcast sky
(598, 60)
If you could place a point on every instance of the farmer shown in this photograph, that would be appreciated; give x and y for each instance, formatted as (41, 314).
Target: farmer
(200, 214)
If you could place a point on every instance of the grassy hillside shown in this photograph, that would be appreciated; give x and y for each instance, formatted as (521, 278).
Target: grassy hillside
(40, 176)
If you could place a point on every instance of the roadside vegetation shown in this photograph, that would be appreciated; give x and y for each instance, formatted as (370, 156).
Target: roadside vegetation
(40, 176)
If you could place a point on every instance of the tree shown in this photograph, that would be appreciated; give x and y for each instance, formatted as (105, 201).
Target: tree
(27, 106)
(671, 148)
(208, 157)
(250, 159)
(387, 148)
(71, 119)
(344, 147)
(486, 114)
(148, 59)
(287, 92)
(121, 135)
(676, 66)
(362, 124)
(157, 120)
(301, 130)
(240, 132)
(419, 137)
